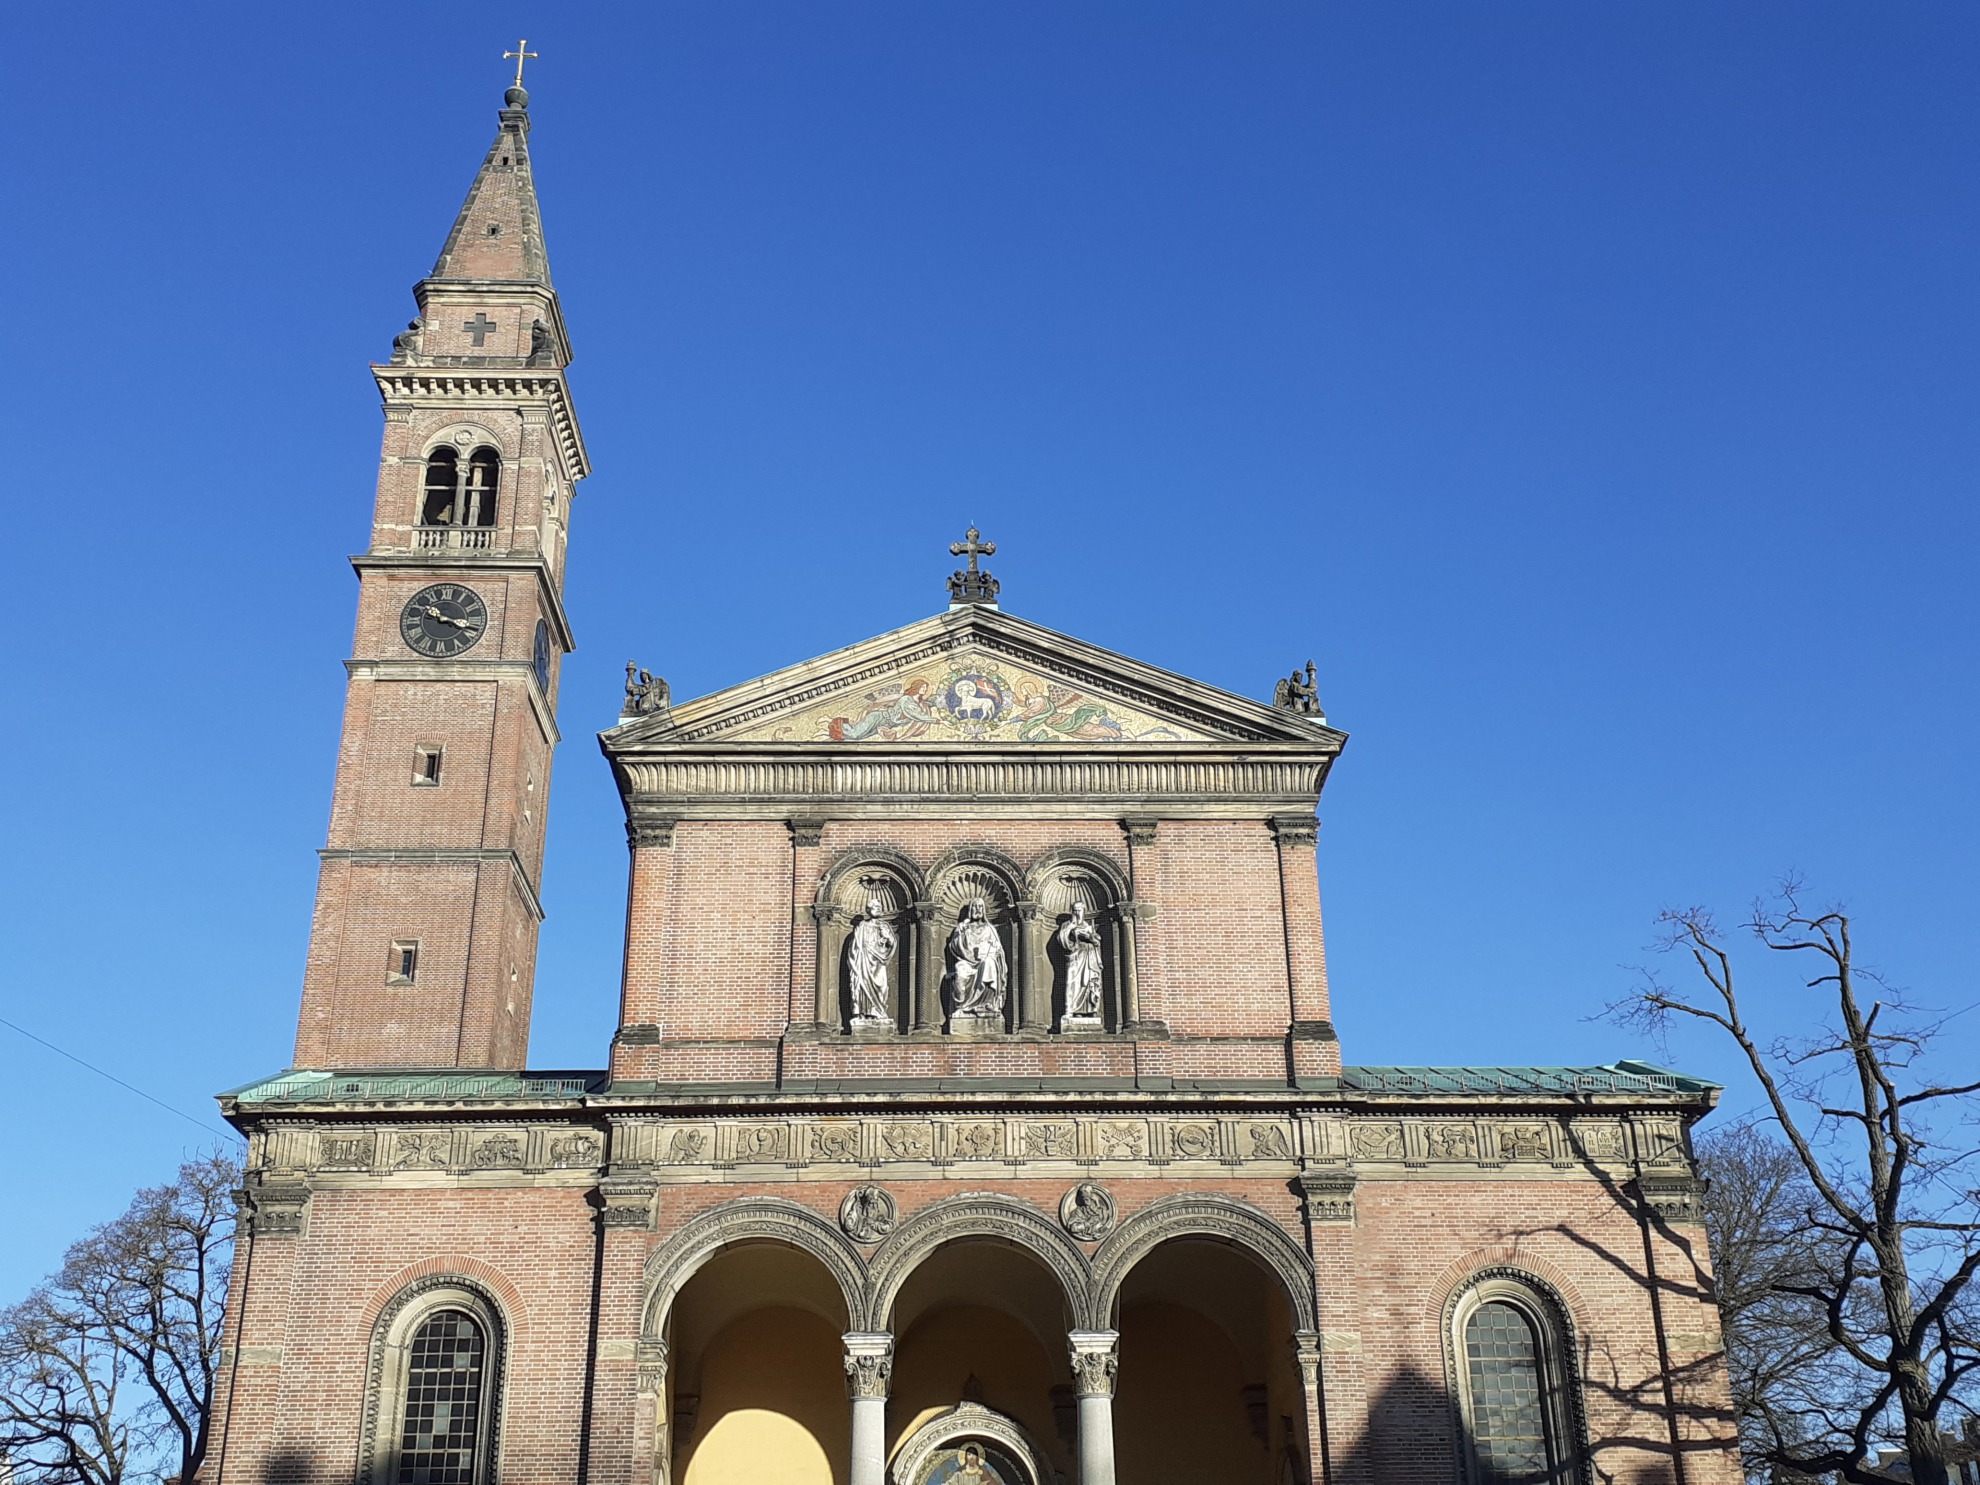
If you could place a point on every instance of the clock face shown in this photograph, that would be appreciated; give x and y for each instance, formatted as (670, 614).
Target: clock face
(541, 659)
(443, 619)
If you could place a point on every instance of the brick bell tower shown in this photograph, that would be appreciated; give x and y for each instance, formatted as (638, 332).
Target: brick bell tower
(423, 945)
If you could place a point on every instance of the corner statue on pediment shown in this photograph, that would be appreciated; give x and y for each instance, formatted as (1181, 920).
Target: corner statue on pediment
(646, 693)
(874, 943)
(978, 971)
(1300, 694)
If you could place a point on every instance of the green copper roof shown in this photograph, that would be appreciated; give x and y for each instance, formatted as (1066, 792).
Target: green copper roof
(365, 1087)
(449, 1086)
(1616, 1077)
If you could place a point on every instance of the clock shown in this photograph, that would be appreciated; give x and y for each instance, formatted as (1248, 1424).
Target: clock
(540, 661)
(443, 619)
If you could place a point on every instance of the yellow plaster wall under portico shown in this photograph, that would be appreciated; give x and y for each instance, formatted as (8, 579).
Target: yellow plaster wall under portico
(773, 1407)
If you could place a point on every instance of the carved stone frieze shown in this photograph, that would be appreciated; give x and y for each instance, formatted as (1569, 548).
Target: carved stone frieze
(1499, 1142)
(1266, 1142)
(576, 1150)
(497, 1152)
(1450, 1141)
(349, 1152)
(835, 1143)
(977, 1140)
(423, 1149)
(687, 1146)
(899, 1141)
(1121, 1139)
(1377, 1141)
(1595, 1140)
(1194, 1141)
(1524, 1142)
(755, 1142)
(1051, 1139)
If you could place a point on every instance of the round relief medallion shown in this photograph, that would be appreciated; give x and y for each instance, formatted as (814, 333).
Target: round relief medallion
(867, 1214)
(1087, 1212)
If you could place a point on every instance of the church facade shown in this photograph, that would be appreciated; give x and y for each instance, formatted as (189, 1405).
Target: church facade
(976, 1115)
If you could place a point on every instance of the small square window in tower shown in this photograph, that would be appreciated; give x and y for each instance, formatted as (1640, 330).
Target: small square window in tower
(426, 765)
(403, 966)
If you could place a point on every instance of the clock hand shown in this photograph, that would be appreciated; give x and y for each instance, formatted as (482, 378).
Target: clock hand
(434, 613)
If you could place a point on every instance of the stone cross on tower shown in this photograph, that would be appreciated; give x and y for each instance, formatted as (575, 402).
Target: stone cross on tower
(972, 585)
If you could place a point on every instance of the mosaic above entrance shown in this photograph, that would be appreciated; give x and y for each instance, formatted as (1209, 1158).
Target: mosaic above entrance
(973, 697)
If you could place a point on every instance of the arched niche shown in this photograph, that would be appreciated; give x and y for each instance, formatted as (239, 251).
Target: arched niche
(955, 885)
(846, 899)
(1079, 884)
(928, 1455)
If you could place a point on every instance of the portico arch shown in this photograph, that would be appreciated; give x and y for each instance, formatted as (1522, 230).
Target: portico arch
(749, 1219)
(1219, 1219)
(977, 1215)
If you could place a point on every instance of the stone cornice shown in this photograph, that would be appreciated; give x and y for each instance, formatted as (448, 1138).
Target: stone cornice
(464, 670)
(774, 780)
(455, 387)
(441, 855)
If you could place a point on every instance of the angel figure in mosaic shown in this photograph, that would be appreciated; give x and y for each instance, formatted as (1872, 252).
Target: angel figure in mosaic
(893, 713)
(1056, 710)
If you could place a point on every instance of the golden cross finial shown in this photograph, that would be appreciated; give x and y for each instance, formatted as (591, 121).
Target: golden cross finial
(521, 54)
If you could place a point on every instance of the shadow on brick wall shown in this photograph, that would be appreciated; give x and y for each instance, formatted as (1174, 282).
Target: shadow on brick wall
(1413, 1440)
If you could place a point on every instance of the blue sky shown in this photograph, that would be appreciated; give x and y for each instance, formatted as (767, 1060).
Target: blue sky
(1588, 389)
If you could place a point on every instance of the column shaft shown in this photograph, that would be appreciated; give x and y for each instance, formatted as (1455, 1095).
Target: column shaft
(1093, 1366)
(869, 1377)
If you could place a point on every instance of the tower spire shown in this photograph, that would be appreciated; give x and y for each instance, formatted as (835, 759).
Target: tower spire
(499, 232)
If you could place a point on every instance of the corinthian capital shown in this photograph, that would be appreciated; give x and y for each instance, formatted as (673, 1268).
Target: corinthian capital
(869, 1363)
(1095, 1359)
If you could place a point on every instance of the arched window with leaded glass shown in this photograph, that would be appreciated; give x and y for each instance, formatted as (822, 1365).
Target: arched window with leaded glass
(440, 1432)
(433, 1412)
(1511, 1360)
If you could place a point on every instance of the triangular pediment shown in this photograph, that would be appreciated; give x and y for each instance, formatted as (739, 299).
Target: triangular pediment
(975, 676)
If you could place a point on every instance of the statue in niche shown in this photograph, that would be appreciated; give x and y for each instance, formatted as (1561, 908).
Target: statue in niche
(874, 943)
(1080, 938)
(978, 971)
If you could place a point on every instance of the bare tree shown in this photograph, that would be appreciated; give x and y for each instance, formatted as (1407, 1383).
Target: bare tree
(1886, 1193)
(1779, 1356)
(107, 1369)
